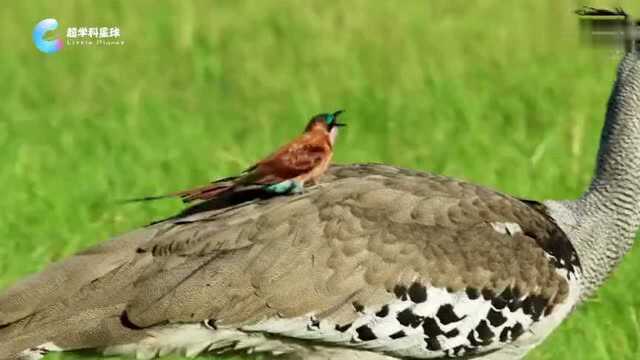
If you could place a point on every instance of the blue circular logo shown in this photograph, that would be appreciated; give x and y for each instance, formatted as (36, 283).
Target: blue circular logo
(46, 46)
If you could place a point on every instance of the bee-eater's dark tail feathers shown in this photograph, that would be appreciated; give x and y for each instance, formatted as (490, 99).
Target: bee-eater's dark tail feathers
(206, 192)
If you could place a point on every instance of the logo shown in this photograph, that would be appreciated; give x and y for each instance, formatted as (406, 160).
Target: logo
(46, 46)
(94, 36)
(77, 36)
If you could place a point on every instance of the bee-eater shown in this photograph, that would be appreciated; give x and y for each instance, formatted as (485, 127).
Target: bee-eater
(286, 170)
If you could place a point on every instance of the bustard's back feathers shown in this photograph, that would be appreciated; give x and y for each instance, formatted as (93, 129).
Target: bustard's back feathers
(377, 257)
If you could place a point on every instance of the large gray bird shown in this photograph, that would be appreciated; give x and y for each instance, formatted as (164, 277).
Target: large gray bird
(376, 263)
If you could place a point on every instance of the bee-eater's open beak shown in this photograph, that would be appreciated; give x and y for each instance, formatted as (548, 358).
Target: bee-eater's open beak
(335, 115)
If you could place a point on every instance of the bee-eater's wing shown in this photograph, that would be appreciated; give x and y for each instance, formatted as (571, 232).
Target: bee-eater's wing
(218, 187)
(294, 160)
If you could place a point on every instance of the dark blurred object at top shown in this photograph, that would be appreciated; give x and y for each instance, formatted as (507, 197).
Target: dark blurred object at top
(613, 28)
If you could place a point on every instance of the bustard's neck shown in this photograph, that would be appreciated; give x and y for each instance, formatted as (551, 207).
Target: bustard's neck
(602, 224)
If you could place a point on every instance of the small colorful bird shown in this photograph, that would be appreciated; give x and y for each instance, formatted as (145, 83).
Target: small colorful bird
(285, 171)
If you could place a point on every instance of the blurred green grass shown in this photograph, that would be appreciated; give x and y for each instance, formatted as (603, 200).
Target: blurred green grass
(504, 96)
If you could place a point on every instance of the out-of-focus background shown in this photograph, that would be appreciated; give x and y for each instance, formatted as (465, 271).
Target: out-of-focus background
(502, 94)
